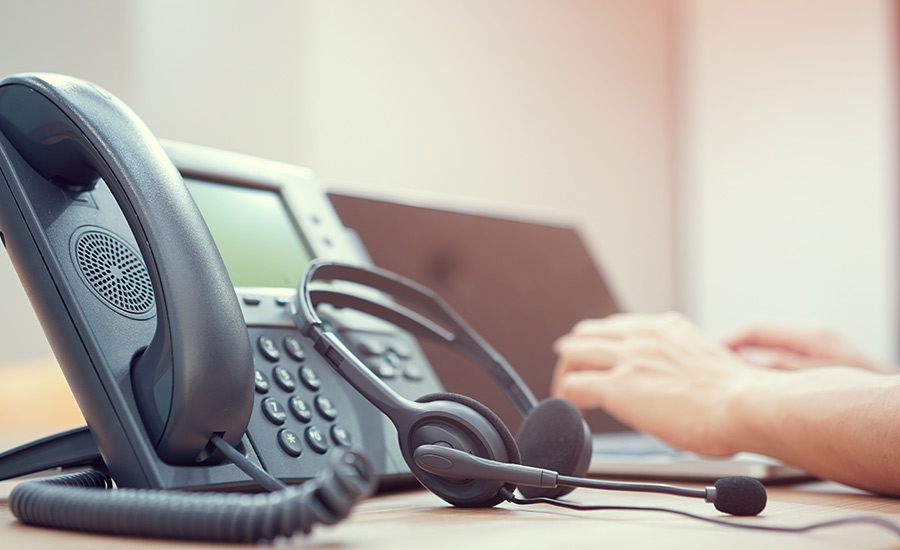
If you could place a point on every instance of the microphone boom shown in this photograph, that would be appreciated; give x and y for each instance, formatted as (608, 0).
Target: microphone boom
(738, 495)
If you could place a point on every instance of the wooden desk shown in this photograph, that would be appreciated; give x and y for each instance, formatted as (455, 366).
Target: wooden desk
(417, 519)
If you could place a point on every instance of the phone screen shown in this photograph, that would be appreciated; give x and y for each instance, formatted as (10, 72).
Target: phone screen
(259, 241)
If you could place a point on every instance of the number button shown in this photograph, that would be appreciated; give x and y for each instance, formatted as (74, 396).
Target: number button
(393, 358)
(340, 436)
(294, 349)
(273, 411)
(401, 350)
(261, 381)
(372, 347)
(413, 372)
(268, 349)
(316, 440)
(325, 407)
(284, 378)
(300, 409)
(382, 368)
(310, 378)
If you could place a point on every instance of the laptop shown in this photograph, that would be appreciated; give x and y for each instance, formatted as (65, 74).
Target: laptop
(521, 284)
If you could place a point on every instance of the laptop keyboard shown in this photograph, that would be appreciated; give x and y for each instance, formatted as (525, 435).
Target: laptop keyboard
(629, 443)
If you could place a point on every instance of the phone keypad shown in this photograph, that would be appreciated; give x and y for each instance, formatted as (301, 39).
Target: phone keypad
(304, 410)
(291, 407)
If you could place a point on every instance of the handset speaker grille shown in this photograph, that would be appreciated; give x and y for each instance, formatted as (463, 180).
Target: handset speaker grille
(114, 272)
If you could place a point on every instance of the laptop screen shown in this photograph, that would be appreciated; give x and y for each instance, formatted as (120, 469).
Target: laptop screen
(519, 284)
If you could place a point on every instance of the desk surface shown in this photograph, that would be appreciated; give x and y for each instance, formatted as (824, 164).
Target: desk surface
(417, 519)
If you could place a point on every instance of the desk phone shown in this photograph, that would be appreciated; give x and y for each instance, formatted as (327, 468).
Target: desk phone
(168, 332)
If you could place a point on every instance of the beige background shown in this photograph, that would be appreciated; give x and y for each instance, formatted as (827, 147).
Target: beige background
(731, 159)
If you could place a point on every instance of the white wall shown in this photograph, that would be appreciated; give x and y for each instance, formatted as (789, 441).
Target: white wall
(90, 39)
(788, 166)
(560, 106)
(783, 137)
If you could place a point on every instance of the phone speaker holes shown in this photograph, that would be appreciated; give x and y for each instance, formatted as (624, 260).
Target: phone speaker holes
(114, 272)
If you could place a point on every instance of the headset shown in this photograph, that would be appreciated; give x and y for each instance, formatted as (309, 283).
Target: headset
(455, 446)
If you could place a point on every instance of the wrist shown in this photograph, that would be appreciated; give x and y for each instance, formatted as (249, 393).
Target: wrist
(750, 409)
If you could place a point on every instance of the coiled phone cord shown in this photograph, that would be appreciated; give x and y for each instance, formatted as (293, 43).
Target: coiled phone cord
(73, 501)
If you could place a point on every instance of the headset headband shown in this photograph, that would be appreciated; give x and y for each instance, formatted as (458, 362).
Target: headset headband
(452, 330)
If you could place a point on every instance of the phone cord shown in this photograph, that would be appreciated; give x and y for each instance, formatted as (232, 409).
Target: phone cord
(73, 501)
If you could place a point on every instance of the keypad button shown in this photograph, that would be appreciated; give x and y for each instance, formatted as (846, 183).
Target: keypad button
(268, 349)
(282, 301)
(325, 407)
(393, 359)
(411, 371)
(401, 349)
(371, 346)
(284, 378)
(261, 381)
(340, 436)
(289, 442)
(252, 300)
(382, 368)
(310, 378)
(300, 409)
(316, 440)
(273, 411)
(292, 345)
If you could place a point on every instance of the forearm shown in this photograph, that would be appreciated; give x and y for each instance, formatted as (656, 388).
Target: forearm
(836, 423)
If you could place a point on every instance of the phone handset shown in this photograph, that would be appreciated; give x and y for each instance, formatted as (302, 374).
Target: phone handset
(195, 378)
(193, 382)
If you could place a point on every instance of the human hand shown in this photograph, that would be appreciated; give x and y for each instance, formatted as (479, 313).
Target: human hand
(658, 374)
(794, 348)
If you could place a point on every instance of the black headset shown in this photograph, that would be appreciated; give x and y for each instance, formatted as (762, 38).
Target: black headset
(553, 435)
(455, 446)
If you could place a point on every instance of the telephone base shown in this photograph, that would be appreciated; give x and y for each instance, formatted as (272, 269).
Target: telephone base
(68, 449)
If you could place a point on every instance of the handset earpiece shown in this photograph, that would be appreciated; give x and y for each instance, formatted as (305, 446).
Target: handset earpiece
(194, 378)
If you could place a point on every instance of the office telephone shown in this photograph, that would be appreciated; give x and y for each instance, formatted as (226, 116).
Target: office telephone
(162, 343)
(165, 277)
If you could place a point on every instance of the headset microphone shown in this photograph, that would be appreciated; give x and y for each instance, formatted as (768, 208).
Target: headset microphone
(739, 496)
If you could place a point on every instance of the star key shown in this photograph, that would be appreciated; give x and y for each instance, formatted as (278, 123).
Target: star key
(289, 442)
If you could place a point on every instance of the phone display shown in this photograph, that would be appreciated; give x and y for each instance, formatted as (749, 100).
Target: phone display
(259, 241)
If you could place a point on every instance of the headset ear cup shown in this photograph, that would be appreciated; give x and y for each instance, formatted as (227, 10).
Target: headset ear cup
(509, 442)
(555, 436)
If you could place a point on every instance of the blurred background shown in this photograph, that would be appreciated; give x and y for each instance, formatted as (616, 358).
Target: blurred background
(732, 159)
